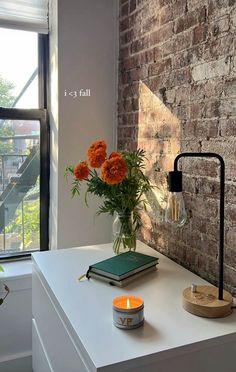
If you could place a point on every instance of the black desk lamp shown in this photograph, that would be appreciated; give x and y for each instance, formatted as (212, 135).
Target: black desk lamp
(202, 300)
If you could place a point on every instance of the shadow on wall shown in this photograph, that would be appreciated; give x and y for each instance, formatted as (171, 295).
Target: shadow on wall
(156, 130)
(158, 133)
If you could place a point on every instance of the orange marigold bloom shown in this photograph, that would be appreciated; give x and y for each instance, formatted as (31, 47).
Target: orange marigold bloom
(113, 170)
(96, 158)
(115, 154)
(81, 171)
(99, 144)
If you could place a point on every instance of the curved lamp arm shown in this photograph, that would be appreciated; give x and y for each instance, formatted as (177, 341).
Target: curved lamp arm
(222, 206)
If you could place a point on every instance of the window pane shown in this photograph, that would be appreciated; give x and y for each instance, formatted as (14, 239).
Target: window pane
(19, 186)
(18, 69)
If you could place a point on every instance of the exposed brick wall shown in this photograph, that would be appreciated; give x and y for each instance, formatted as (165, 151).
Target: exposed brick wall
(177, 92)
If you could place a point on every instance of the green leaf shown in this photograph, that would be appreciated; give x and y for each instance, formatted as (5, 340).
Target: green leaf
(1, 269)
(68, 169)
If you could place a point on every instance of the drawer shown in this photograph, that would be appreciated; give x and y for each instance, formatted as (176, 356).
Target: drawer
(59, 345)
(40, 360)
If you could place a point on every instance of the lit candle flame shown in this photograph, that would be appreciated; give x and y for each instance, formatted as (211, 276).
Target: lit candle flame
(128, 303)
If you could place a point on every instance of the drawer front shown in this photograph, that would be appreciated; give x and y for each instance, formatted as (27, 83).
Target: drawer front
(59, 346)
(40, 359)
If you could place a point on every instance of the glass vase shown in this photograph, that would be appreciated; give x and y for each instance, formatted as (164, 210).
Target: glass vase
(124, 235)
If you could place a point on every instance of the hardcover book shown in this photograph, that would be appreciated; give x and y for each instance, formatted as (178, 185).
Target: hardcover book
(123, 282)
(122, 266)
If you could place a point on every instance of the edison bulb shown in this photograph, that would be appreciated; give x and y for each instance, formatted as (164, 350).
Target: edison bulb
(175, 213)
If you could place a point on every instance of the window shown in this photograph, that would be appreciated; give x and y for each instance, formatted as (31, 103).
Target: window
(24, 135)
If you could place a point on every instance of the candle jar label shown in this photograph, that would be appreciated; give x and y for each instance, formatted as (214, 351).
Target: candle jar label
(128, 320)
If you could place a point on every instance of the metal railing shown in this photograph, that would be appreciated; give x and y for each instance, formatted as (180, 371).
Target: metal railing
(3, 177)
(10, 164)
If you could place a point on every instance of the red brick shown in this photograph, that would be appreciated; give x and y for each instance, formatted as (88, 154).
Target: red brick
(228, 127)
(157, 53)
(183, 41)
(211, 109)
(230, 257)
(214, 88)
(182, 59)
(139, 45)
(230, 193)
(124, 25)
(205, 129)
(230, 238)
(139, 73)
(130, 63)
(182, 95)
(132, 5)
(124, 10)
(197, 92)
(126, 37)
(179, 8)
(230, 87)
(168, 48)
(188, 129)
(230, 214)
(199, 34)
(166, 14)
(159, 67)
(196, 110)
(147, 57)
(228, 107)
(181, 76)
(124, 52)
(185, 22)
(162, 34)
(130, 91)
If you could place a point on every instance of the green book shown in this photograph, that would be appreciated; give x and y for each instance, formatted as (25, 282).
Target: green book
(123, 282)
(122, 266)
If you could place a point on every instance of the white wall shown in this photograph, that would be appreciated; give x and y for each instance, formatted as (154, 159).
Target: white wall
(87, 57)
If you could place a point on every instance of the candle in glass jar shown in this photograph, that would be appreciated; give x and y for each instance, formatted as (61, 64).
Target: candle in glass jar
(128, 312)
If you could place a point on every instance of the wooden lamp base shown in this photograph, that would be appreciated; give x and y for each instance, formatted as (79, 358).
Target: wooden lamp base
(203, 301)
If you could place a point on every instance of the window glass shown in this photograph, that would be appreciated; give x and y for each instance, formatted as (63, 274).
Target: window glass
(18, 69)
(19, 186)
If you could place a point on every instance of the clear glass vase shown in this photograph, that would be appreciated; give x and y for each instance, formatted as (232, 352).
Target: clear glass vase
(124, 235)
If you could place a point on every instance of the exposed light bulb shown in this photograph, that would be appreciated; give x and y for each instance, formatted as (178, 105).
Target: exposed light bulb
(175, 213)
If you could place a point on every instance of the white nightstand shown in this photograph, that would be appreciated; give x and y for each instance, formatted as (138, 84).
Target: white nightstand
(73, 329)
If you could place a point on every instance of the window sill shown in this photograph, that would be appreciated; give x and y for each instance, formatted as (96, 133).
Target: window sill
(17, 275)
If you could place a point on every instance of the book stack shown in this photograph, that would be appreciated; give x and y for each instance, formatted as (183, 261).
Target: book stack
(123, 269)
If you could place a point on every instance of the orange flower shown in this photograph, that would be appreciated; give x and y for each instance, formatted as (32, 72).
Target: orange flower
(115, 154)
(99, 144)
(81, 171)
(97, 157)
(113, 170)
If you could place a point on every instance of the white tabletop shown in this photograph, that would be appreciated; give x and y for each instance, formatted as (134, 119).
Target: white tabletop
(168, 329)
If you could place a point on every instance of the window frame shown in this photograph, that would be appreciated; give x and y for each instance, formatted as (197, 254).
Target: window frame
(40, 114)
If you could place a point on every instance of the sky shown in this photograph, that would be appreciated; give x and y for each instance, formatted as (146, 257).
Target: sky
(18, 60)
